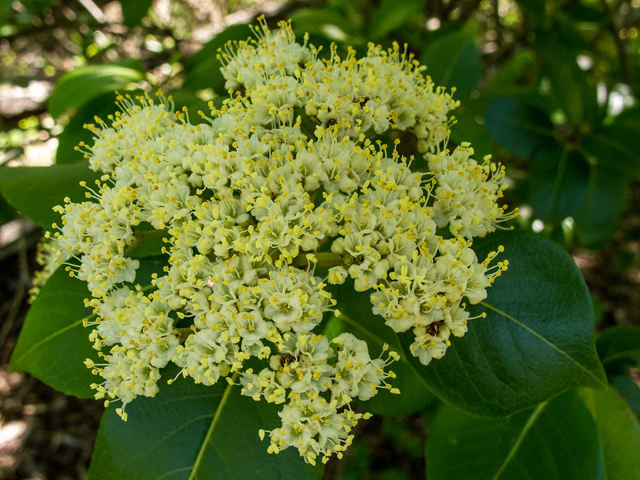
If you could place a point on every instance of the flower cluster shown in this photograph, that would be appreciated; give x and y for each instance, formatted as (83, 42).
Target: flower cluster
(280, 184)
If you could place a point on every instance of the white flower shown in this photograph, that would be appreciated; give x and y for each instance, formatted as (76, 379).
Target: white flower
(280, 183)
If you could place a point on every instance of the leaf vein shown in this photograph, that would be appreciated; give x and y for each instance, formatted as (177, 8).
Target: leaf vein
(207, 438)
(512, 453)
(46, 339)
(537, 335)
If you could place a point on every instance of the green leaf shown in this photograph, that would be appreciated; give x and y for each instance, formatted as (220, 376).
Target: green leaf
(325, 22)
(85, 83)
(134, 11)
(536, 342)
(619, 432)
(533, 5)
(392, 15)
(149, 248)
(596, 221)
(569, 83)
(190, 432)
(585, 13)
(619, 347)
(53, 343)
(520, 128)
(557, 440)
(358, 319)
(617, 148)
(629, 390)
(34, 191)
(74, 131)
(453, 60)
(7, 212)
(185, 98)
(512, 71)
(203, 71)
(559, 181)
(467, 129)
(629, 118)
(562, 33)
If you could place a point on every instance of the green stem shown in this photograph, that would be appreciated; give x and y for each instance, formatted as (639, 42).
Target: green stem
(141, 236)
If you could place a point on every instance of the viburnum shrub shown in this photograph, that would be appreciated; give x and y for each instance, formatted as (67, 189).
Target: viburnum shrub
(280, 212)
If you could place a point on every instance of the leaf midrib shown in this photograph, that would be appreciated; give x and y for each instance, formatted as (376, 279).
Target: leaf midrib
(548, 342)
(446, 76)
(516, 446)
(613, 143)
(45, 340)
(214, 421)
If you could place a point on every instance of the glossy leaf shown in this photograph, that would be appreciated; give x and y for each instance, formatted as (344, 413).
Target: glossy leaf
(203, 70)
(34, 191)
(520, 128)
(619, 347)
(558, 183)
(596, 221)
(392, 15)
(453, 60)
(536, 342)
(85, 83)
(53, 343)
(134, 11)
(190, 432)
(619, 432)
(557, 440)
(616, 147)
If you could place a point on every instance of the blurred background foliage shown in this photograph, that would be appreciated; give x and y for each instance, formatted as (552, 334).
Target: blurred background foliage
(549, 88)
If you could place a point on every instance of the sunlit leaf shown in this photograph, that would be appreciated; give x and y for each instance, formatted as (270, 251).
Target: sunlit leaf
(34, 191)
(85, 83)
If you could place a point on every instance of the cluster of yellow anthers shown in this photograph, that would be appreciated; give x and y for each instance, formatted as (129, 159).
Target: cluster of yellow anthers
(278, 185)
